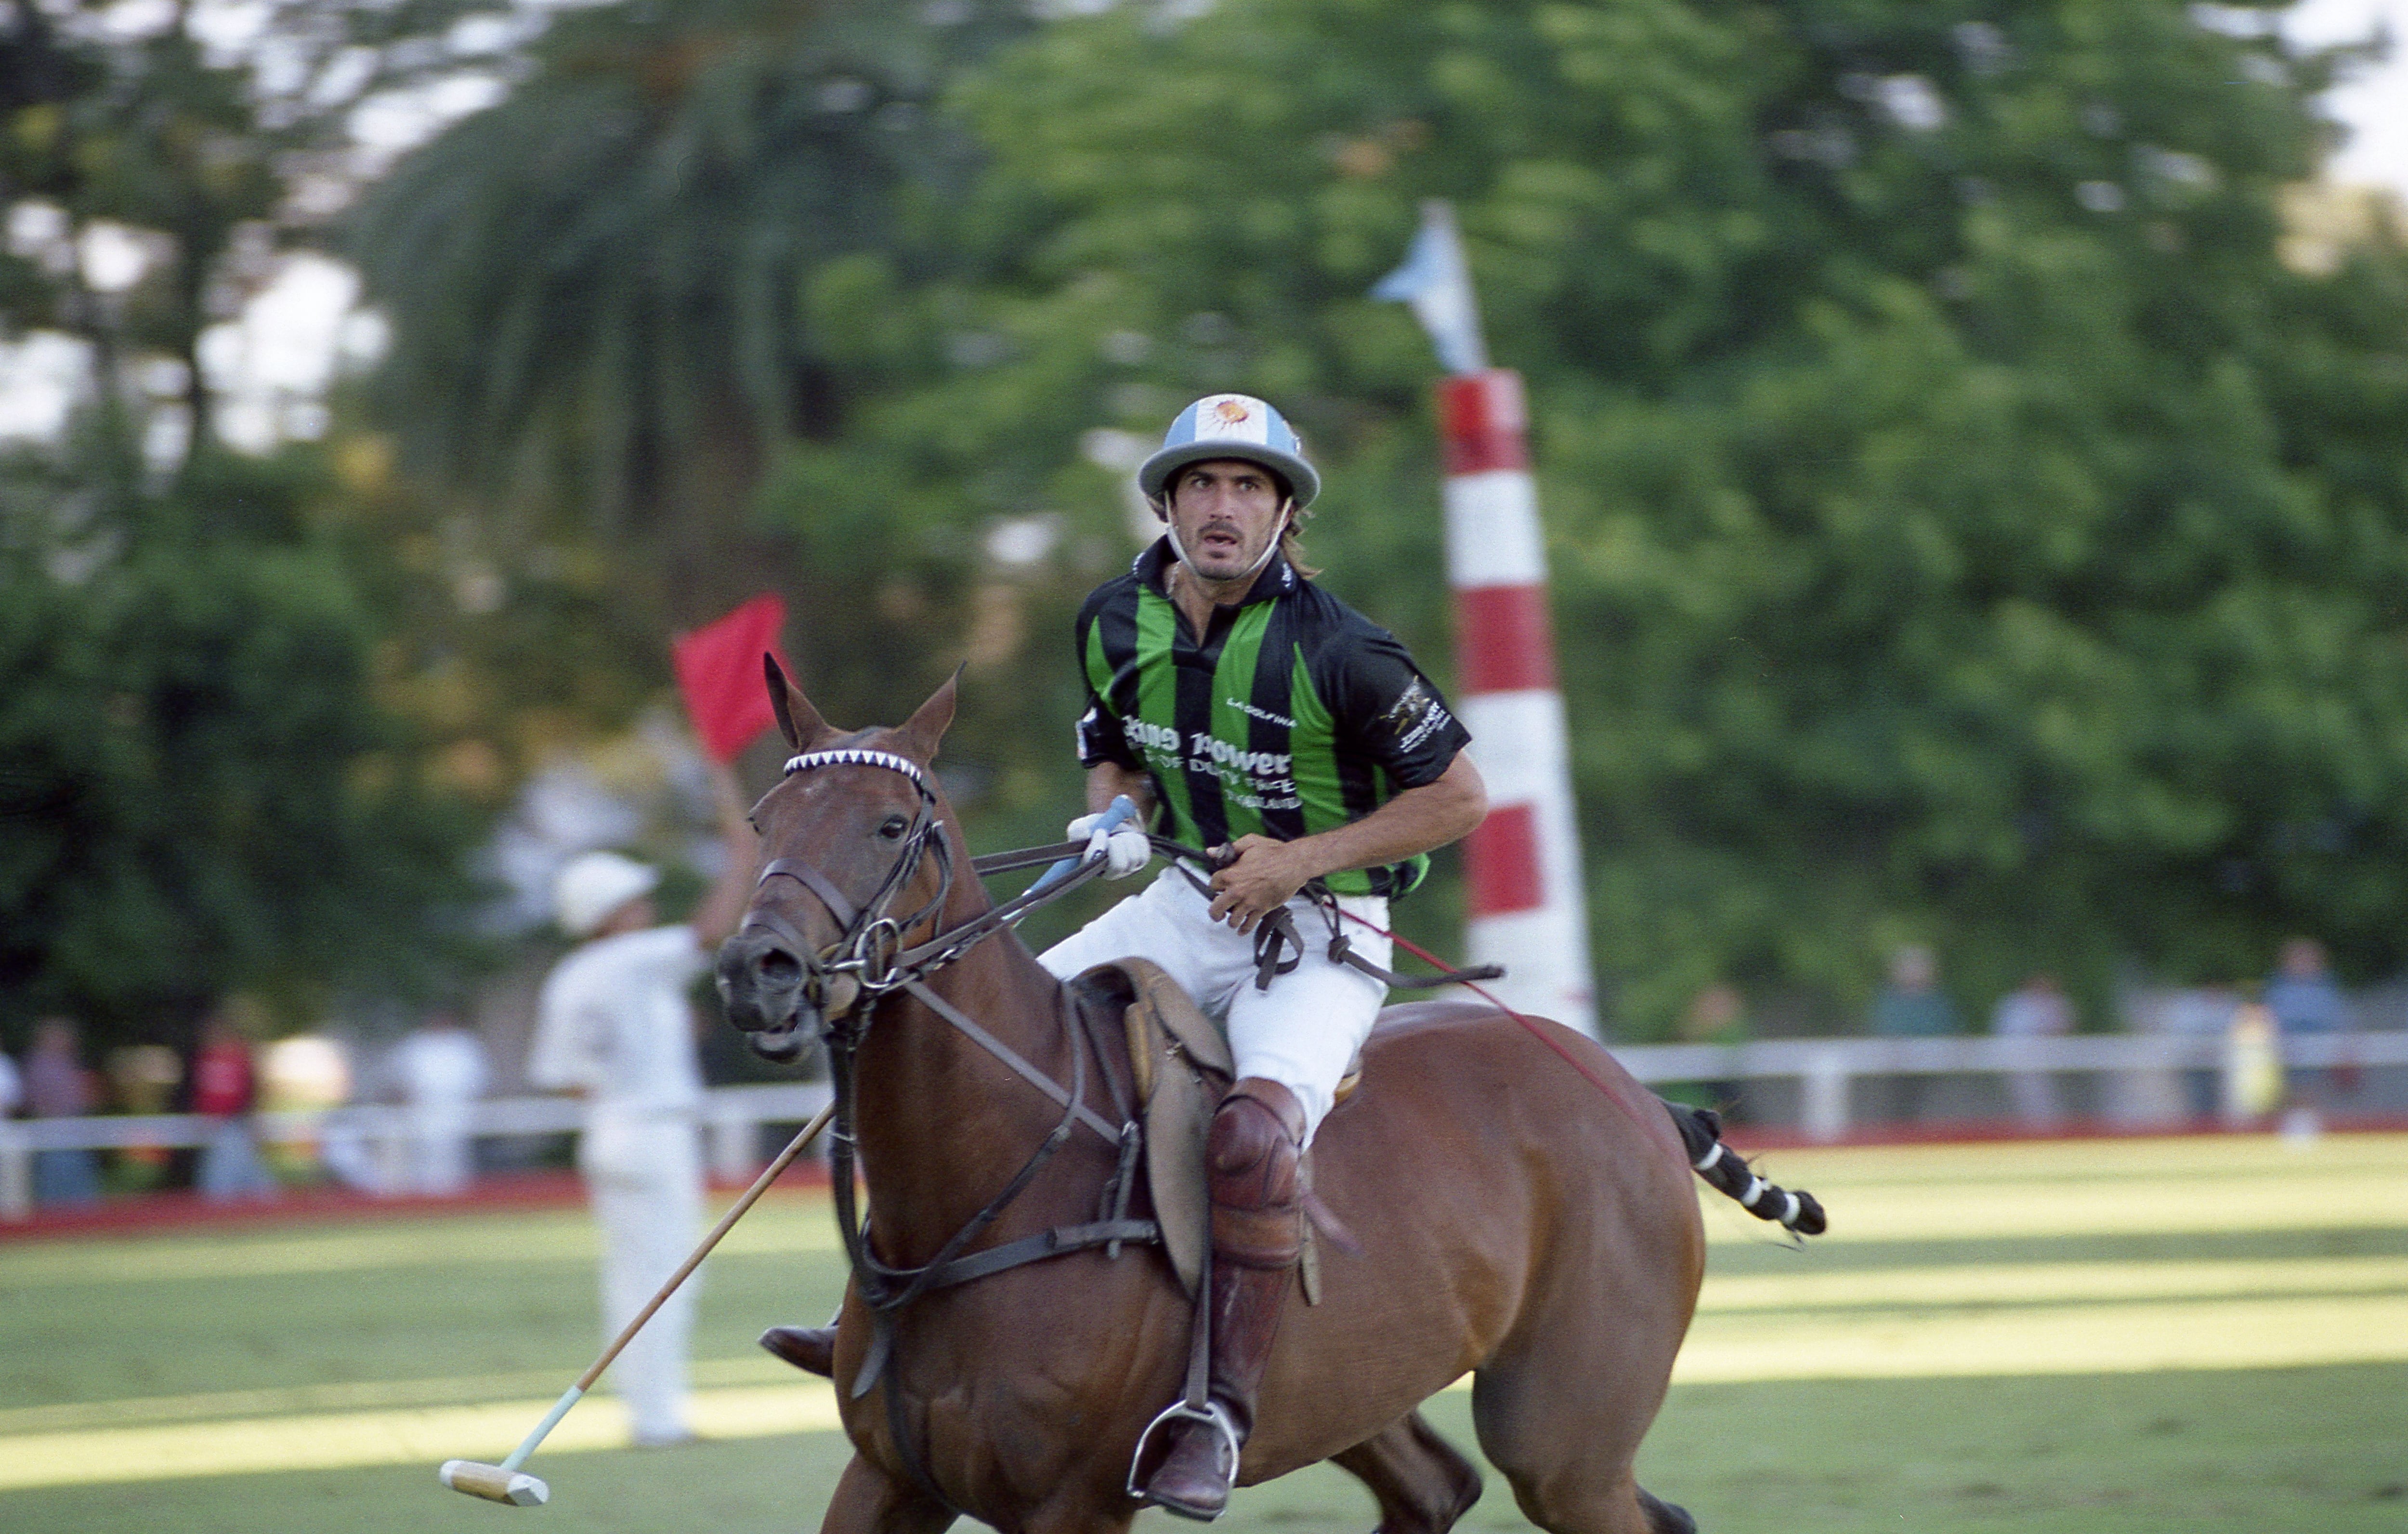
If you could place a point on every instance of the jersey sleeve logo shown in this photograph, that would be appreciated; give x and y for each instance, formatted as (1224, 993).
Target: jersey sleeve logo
(1415, 716)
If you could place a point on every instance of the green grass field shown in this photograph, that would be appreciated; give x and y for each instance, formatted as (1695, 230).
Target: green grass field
(2106, 1336)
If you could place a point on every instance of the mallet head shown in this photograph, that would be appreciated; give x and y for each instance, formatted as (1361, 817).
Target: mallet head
(493, 1483)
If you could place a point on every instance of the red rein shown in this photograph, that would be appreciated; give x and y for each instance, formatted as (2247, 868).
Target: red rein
(1535, 1031)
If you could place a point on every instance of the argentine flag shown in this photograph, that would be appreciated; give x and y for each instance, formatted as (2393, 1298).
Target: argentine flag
(1437, 284)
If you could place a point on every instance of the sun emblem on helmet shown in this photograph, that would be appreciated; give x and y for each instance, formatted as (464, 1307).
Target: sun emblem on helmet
(1231, 411)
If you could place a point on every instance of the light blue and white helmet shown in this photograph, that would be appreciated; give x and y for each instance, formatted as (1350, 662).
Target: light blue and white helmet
(1230, 426)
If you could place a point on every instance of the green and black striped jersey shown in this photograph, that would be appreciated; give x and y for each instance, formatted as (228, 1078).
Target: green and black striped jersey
(1293, 715)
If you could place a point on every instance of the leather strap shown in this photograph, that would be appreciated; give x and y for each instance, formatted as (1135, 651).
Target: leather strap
(1277, 932)
(1055, 1242)
(1200, 1341)
(1026, 857)
(996, 1047)
(817, 882)
(771, 921)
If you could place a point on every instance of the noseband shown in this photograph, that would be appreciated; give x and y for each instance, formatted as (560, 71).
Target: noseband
(863, 960)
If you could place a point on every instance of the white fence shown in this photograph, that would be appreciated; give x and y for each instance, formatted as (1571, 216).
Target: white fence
(732, 1117)
(1825, 1070)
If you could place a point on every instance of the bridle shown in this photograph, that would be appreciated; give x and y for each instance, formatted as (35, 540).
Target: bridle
(844, 980)
(868, 958)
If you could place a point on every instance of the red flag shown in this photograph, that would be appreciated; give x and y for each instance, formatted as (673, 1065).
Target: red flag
(718, 671)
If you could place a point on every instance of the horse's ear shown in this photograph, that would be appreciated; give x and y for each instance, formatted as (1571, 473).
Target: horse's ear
(920, 733)
(797, 721)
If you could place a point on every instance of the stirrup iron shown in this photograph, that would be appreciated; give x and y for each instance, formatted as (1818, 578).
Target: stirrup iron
(1212, 1412)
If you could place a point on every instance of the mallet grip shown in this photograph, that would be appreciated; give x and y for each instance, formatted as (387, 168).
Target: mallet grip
(1121, 810)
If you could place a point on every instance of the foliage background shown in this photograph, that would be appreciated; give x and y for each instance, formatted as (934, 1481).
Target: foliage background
(1966, 525)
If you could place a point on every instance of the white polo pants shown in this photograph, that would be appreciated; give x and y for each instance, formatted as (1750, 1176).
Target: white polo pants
(644, 1175)
(1302, 1033)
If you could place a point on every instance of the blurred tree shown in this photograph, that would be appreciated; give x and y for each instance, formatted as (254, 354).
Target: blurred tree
(1964, 527)
(154, 160)
(129, 165)
(199, 789)
(594, 285)
(204, 783)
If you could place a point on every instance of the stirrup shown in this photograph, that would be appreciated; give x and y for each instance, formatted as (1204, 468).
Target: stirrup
(1212, 1412)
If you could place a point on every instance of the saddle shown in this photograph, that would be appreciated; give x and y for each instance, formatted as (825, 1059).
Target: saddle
(1184, 1068)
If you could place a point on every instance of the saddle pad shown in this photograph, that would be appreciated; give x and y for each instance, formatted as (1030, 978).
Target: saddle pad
(1184, 1068)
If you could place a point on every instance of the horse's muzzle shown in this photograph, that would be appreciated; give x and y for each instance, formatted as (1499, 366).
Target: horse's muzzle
(765, 987)
(776, 1000)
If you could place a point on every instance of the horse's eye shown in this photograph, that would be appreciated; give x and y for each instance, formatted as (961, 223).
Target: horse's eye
(893, 828)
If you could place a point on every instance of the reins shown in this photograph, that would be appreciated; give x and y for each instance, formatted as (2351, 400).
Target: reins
(1279, 948)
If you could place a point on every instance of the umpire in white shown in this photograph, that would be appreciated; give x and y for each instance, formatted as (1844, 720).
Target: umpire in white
(614, 1026)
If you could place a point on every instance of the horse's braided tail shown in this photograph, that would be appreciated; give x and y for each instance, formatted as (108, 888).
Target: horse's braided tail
(1702, 1132)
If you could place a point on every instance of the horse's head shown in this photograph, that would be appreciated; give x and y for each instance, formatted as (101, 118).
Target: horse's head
(855, 861)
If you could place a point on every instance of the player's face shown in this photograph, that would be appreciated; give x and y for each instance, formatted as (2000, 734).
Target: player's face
(1226, 511)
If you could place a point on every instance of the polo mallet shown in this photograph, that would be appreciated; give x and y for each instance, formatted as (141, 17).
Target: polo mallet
(505, 1482)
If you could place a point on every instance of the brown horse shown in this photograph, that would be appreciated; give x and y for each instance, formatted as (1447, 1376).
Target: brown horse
(1514, 1218)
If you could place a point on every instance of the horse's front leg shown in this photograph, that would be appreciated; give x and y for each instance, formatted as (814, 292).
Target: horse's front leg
(866, 1501)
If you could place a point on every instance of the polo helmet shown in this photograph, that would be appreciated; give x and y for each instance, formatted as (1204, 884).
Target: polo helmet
(1230, 426)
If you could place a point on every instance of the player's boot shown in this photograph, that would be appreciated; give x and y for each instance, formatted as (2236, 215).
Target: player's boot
(1257, 1233)
(810, 1349)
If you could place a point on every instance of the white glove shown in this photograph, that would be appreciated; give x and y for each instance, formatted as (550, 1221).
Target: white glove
(1124, 849)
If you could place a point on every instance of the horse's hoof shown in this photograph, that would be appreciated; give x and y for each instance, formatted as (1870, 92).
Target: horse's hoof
(1666, 1517)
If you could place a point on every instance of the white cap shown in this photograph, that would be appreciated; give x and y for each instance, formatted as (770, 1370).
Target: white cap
(594, 884)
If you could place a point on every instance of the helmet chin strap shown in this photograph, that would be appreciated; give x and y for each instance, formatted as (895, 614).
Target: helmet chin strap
(1287, 508)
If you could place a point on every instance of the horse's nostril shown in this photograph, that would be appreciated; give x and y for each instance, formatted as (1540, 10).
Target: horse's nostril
(780, 968)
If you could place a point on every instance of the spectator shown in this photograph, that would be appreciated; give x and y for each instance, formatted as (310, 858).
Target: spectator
(344, 1150)
(441, 1069)
(613, 1025)
(12, 1087)
(1913, 1006)
(143, 1078)
(2303, 999)
(2036, 1011)
(224, 1091)
(2253, 1065)
(57, 1086)
(2202, 1012)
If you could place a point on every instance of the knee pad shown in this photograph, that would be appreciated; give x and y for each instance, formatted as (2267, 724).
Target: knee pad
(1256, 1143)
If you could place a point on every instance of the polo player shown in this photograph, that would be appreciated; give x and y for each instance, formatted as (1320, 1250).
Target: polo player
(1247, 712)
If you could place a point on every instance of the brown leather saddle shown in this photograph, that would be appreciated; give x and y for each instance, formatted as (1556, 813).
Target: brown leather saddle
(1183, 1068)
